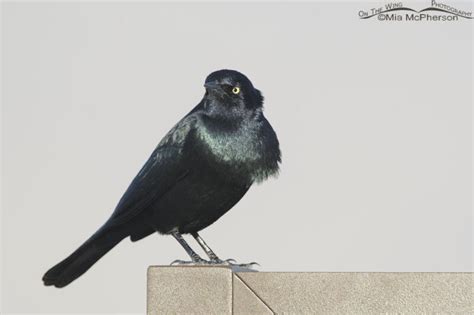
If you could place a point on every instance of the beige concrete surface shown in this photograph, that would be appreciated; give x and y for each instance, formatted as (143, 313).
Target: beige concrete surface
(364, 293)
(218, 290)
(191, 289)
(245, 299)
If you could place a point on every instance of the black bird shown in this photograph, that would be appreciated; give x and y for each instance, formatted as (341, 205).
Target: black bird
(200, 169)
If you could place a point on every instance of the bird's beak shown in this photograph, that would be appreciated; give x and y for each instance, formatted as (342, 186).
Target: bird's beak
(211, 85)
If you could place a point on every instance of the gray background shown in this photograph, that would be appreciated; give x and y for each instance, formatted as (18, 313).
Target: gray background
(374, 120)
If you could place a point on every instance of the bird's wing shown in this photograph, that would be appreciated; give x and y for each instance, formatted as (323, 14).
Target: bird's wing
(162, 171)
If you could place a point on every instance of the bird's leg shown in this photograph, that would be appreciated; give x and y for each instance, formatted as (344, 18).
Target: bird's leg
(216, 260)
(207, 249)
(196, 259)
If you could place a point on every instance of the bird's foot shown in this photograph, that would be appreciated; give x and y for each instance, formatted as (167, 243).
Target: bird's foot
(216, 262)
(249, 265)
(195, 262)
(179, 262)
(233, 263)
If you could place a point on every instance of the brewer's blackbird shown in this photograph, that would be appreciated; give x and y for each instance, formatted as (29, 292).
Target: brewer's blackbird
(200, 169)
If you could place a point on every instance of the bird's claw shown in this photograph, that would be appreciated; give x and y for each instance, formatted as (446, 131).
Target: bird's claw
(198, 261)
(178, 262)
(216, 261)
(232, 262)
(249, 265)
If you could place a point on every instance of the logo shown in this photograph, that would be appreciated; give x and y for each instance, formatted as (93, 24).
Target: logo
(396, 11)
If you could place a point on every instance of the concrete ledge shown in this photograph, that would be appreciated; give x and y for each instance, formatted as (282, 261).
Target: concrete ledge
(219, 290)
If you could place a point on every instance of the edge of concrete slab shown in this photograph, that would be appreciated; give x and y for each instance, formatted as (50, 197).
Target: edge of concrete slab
(219, 290)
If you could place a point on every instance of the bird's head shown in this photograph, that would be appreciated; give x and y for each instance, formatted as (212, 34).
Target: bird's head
(231, 90)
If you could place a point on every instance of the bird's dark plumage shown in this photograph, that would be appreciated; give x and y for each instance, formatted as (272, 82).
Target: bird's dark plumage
(199, 170)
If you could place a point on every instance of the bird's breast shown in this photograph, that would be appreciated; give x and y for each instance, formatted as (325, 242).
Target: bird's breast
(244, 151)
(237, 146)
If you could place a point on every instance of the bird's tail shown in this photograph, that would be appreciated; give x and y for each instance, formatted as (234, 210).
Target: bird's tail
(82, 258)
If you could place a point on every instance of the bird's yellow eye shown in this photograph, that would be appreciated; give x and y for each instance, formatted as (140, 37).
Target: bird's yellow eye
(236, 90)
